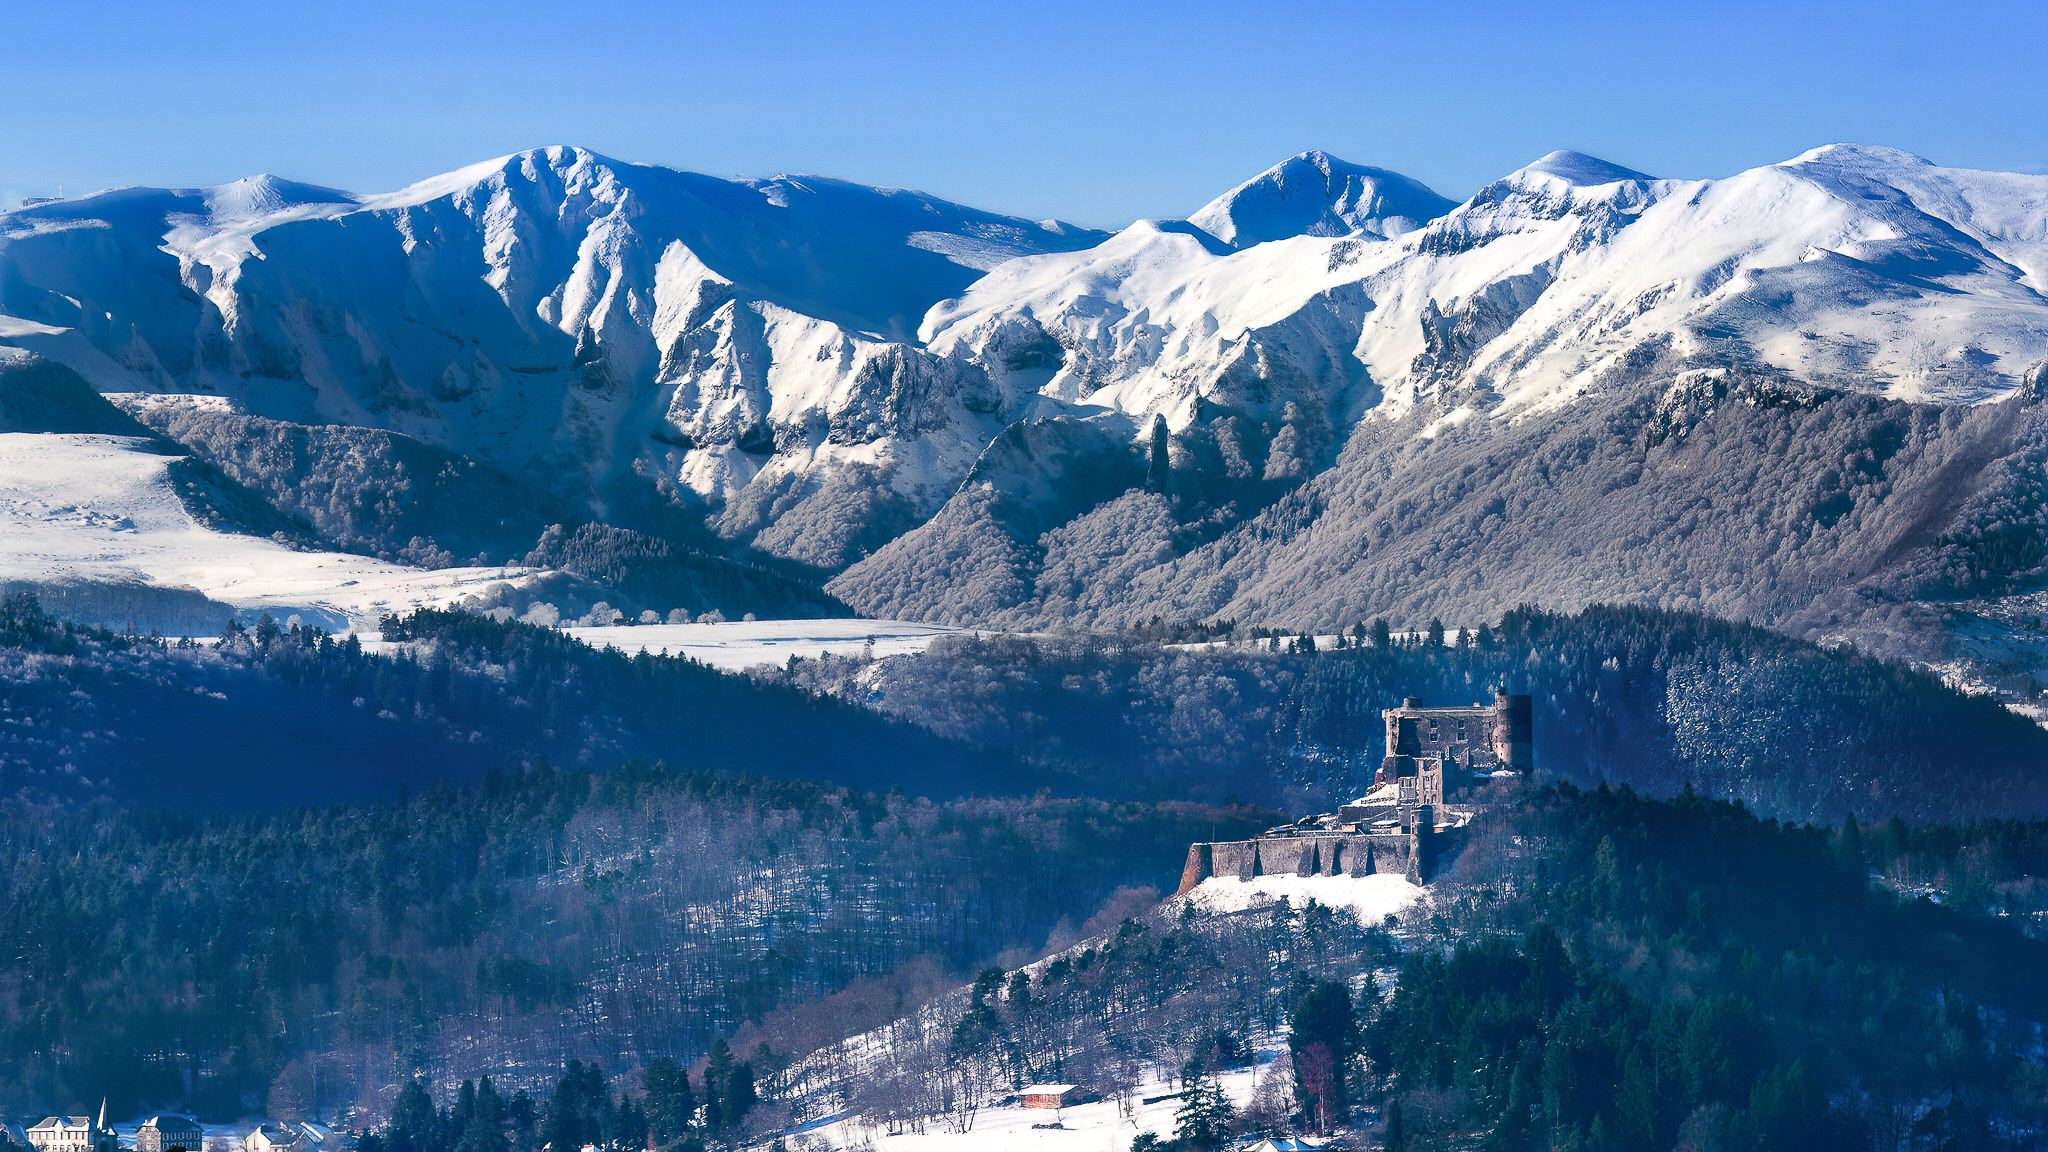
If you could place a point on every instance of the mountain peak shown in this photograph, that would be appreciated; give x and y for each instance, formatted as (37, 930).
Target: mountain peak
(1858, 156)
(263, 194)
(1316, 194)
(1581, 170)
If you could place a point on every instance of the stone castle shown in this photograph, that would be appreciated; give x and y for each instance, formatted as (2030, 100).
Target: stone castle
(1421, 798)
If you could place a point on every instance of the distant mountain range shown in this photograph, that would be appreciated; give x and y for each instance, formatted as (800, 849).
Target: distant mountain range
(1810, 394)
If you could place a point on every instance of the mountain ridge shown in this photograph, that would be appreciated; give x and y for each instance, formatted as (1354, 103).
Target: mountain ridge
(810, 370)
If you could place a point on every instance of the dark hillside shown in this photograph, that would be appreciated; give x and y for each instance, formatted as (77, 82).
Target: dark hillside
(274, 717)
(173, 961)
(1639, 974)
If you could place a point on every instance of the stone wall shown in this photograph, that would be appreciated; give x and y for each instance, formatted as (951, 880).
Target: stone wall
(1310, 854)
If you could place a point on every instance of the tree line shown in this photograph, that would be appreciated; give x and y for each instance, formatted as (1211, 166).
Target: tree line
(1641, 696)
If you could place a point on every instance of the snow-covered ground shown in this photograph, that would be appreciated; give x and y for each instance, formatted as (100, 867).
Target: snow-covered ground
(1371, 898)
(736, 645)
(102, 508)
(1097, 1127)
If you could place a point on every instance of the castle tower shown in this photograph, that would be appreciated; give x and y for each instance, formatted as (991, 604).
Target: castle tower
(1514, 731)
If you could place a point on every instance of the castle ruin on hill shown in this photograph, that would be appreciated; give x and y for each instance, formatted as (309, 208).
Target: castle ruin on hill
(1421, 799)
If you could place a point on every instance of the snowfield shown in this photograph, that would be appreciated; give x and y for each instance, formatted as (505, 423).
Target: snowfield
(77, 508)
(743, 644)
(1370, 898)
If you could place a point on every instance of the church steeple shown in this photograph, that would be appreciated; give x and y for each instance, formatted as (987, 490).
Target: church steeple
(102, 1125)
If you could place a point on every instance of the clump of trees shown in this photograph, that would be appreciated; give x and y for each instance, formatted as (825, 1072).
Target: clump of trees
(672, 1111)
(1173, 996)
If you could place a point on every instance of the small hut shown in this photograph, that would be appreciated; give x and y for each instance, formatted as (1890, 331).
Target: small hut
(1052, 1095)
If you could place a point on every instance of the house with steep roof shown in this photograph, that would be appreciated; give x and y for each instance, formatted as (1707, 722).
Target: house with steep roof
(273, 1138)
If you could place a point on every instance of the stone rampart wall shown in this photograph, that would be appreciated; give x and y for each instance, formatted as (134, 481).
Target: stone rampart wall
(1310, 854)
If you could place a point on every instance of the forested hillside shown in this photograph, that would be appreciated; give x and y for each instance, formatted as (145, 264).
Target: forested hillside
(1655, 699)
(270, 717)
(1610, 971)
(1599, 970)
(179, 961)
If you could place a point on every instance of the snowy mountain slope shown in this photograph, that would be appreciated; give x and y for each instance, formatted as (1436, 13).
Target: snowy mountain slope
(82, 508)
(624, 331)
(1859, 268)
(1830, 516)
(1799, 395)
(949, 407)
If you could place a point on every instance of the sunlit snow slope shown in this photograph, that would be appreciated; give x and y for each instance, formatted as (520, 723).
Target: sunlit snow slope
(1863, 268)
(620, 330)
(87, 508)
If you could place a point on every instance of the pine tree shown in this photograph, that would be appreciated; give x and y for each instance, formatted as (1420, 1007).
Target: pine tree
(717, 1070)
(414, 1121)
(740, 1095)
(670, 1103)
(1204, 1120)
(1849, 847)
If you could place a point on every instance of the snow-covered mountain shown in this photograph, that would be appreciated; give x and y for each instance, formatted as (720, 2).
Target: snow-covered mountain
(1862, 268)
(1800, 395)
(949, 407)
(1316, 194)
(624, 330)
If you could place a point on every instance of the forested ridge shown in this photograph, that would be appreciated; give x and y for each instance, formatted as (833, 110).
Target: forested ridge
(1599, 972)
(1631, 695)
(86, 713)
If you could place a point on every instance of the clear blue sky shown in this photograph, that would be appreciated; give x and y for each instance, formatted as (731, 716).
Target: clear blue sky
(1098, 112)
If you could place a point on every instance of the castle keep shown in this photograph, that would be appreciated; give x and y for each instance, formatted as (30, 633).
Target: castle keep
(1444, 751)
(1420, 800)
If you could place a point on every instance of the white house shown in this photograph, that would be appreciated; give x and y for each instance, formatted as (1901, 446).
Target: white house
(272, 1138)
(74, 1134)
